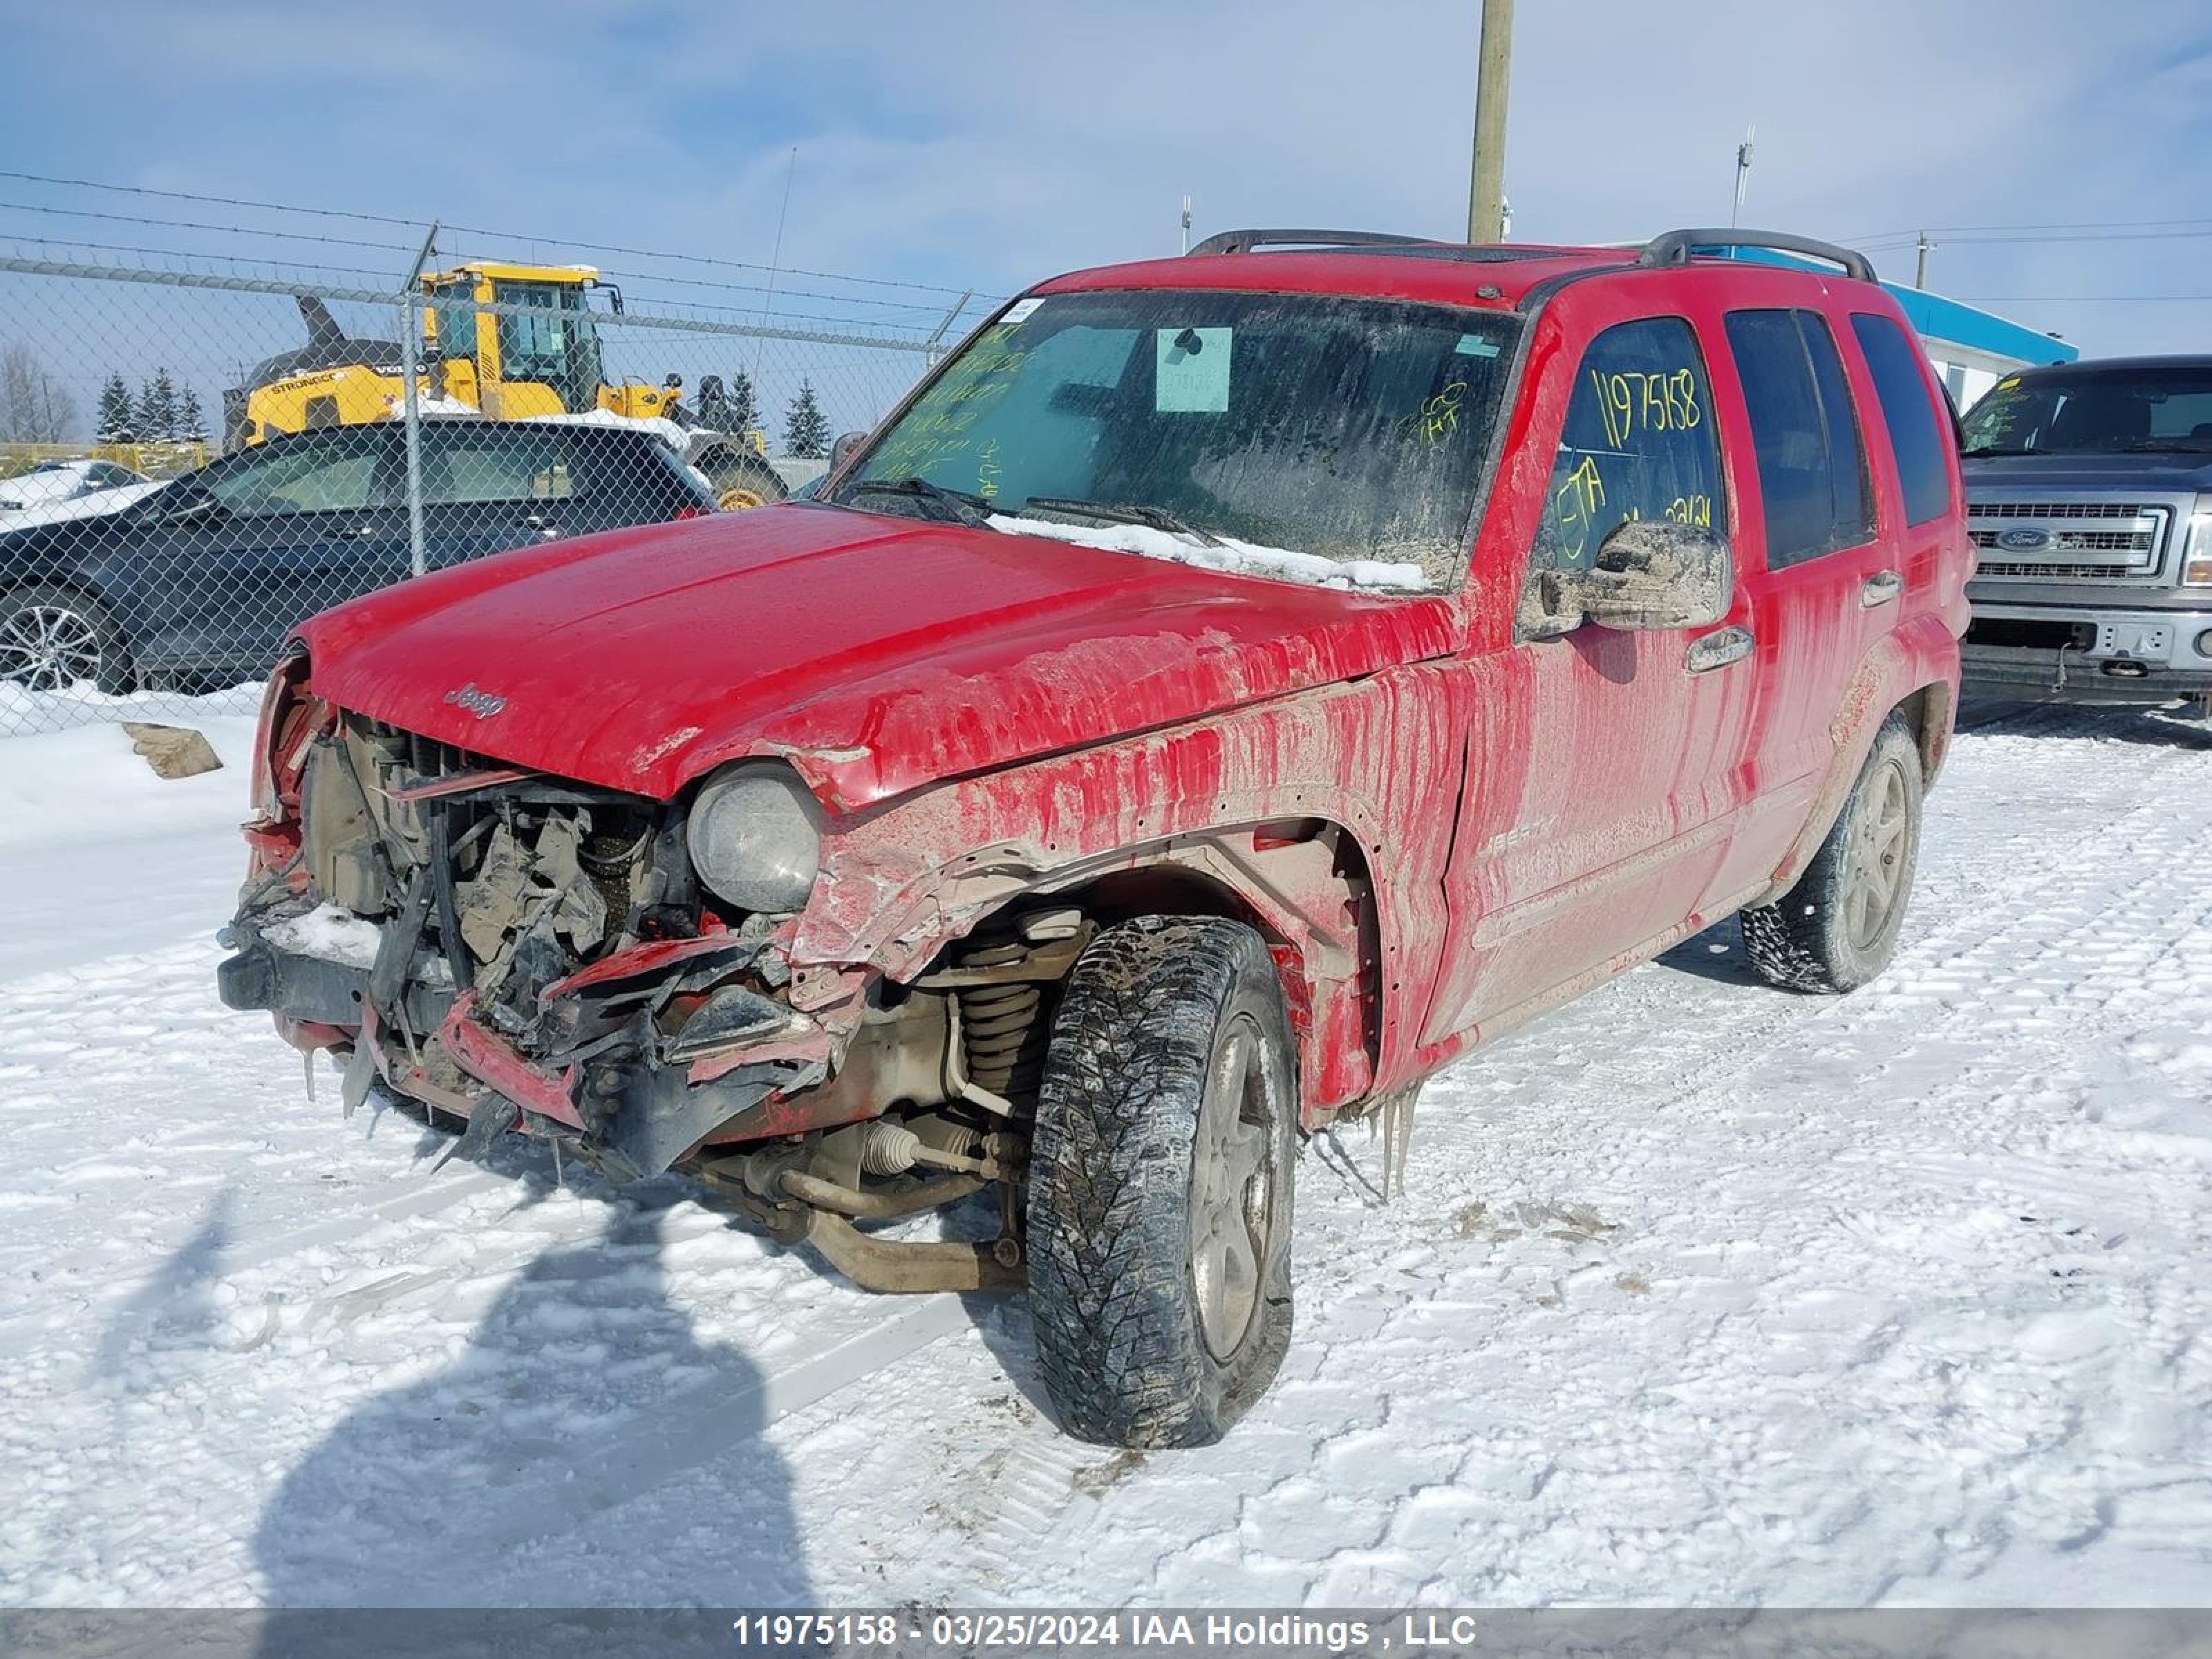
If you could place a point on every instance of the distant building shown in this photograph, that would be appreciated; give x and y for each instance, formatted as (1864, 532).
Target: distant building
(1973, 349)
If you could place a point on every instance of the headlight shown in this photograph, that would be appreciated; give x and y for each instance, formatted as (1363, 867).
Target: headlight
(756, 837)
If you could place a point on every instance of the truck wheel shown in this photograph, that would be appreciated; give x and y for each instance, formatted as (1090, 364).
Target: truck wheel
(1160, 1181)
(52, 638)
(740, 477)
(1836, 928)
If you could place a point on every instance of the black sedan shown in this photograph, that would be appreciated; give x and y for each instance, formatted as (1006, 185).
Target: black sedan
(197, 584)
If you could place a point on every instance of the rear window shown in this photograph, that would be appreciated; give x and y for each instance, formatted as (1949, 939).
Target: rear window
(1812, 467)
(1919, 438)
(470, 464)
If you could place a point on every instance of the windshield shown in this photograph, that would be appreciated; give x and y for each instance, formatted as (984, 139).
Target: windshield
(2095, 411)
(556, 344)
(1307, 435)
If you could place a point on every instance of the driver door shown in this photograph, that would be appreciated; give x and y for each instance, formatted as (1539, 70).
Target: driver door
(1604, 772)
(291, 528)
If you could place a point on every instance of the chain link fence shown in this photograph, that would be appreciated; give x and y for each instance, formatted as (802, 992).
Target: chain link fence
(193, 460)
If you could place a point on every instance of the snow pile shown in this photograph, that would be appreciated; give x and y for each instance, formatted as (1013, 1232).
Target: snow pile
(98, 505)
(23, 710)
(676, 437)
(87, 783)
(1698, 1293)
(329, 932)
(1235, 557)
(434, 406)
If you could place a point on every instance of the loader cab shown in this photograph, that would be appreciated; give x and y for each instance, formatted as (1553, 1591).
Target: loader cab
(518, 341)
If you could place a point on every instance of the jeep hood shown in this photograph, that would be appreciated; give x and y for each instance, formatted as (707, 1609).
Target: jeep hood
(879, 654)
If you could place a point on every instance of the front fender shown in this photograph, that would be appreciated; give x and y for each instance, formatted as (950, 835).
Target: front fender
(1362, 777)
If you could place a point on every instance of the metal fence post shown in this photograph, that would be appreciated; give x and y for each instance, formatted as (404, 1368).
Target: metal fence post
(411, 411)
(932, 347)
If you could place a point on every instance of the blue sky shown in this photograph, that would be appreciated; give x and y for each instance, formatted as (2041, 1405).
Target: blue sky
(988, 144)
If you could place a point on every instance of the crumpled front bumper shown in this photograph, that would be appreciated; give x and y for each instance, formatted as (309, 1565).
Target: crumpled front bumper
(598, 1069)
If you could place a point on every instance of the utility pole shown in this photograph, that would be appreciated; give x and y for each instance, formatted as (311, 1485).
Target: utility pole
(1486, 202)
(1920, 268)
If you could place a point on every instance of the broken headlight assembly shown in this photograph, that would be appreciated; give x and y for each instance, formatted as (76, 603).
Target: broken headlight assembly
(755, 835)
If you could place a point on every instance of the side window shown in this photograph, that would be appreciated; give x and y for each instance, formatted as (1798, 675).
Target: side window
(1638, 442)
(463, 464)
(325, 475)
(1921, 439)
(1847, 472)
(1811, 469)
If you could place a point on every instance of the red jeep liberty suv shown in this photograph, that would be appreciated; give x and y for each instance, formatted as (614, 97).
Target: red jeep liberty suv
(1225, 690)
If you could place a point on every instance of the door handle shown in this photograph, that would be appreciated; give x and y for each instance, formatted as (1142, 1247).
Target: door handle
(1717, 650)
(1880, 588)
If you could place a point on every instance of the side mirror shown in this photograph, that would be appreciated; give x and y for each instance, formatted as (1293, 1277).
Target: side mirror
(1650, 575)
(673, 383)
(180, 504)
(846, 444)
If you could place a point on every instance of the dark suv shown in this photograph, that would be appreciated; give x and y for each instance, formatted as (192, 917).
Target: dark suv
(2089, 496)
(198, 582)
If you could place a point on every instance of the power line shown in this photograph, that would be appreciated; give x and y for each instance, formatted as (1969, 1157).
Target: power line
(606, 319)
(1951, 240)
(2086, 299)
(194, 224)
(417, 224)
(2087, 225)
(215, 201)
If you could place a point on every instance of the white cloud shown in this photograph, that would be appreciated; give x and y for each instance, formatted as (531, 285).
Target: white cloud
(992, 143)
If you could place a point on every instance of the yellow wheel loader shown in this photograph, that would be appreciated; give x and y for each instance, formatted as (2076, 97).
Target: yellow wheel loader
(509, 341)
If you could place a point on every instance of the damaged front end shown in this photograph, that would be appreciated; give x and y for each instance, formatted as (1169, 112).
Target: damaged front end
(530, 953)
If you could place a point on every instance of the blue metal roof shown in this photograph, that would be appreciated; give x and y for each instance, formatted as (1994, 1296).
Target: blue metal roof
(1935, 318)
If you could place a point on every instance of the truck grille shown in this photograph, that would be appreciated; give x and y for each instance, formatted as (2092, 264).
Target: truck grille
(2029, 540)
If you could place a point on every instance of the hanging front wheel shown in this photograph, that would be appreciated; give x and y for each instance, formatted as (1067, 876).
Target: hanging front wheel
(1160, 1184)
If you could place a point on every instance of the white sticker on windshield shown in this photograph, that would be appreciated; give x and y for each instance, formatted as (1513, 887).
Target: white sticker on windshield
(1475, 345)
(1021, 311)
(1191, 370)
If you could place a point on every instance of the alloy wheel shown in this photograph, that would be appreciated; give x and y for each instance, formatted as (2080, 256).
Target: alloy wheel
(1874, 878)
(1233, 1185)
(49, 647)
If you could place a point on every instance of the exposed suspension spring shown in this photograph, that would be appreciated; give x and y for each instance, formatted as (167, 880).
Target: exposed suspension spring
(1001, 1035)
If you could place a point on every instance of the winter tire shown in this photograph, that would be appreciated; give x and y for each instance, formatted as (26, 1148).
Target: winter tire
(1160, 1184)
(1837, 928)
(53, 638)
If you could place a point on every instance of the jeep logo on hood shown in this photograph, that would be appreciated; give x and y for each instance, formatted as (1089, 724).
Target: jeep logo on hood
(2024, 540)
(480, 703)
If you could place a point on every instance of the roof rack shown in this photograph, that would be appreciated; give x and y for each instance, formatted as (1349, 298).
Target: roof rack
(1243, 241)
(1674, 247)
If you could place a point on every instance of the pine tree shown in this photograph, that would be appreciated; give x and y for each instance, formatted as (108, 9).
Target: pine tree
(191, 425)
(805, 427)
(157, 408)
(745, 404)
(117, 419)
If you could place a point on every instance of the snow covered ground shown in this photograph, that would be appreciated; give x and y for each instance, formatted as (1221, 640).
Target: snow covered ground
(1701, 1292)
